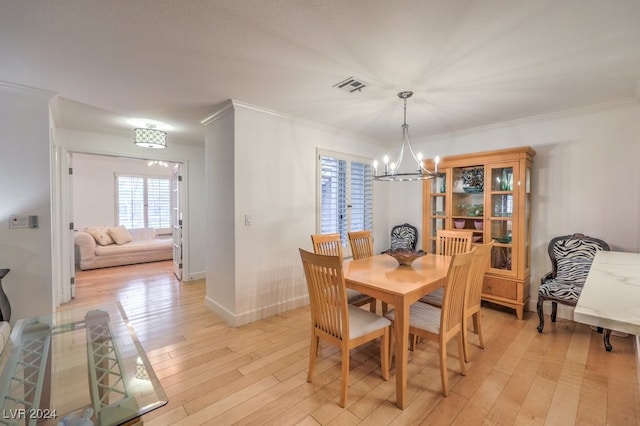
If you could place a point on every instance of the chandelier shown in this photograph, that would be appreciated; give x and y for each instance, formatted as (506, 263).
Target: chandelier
(394, 171)
(150, 137)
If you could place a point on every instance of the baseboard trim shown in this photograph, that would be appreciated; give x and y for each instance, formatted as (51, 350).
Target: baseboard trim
(237, 320)
(196, 276)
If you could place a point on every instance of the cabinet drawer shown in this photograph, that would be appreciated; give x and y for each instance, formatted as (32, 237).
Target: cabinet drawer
(500, 288)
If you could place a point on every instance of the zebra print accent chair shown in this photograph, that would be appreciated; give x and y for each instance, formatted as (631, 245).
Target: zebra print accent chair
(571, 258)
(403, 236)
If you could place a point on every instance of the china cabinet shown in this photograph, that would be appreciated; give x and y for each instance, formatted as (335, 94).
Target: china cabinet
(490, 194)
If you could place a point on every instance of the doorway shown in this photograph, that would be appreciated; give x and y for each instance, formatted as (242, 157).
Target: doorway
(94, 198)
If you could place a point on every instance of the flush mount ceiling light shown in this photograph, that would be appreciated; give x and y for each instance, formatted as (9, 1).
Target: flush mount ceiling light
(150, 137)
(415, 170)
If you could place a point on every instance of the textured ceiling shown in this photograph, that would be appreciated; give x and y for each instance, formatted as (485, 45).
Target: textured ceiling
(470, 63)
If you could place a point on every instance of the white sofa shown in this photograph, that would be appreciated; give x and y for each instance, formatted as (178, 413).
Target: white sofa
(144, 247)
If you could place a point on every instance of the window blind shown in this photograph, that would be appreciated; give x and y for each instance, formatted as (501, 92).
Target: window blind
(159, 203)
(131, 201)
(346, 195)
(143, 202)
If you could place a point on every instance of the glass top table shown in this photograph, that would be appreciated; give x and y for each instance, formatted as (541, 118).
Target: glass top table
(74, 364)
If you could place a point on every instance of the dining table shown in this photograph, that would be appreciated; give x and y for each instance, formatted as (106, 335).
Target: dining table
(610, 297)
(382, 277)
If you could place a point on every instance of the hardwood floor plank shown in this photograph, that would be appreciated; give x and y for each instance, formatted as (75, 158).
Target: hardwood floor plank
(256, 374)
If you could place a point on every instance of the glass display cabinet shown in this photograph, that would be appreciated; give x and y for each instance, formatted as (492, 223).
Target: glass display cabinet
(488, 193)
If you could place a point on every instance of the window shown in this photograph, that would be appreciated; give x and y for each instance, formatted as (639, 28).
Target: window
(345, 194)
(143, 202)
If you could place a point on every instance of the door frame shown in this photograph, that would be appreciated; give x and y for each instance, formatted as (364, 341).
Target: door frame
(62, 205)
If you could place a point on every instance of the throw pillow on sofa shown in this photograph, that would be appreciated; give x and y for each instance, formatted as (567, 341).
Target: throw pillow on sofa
(120, 235)
(100, 234)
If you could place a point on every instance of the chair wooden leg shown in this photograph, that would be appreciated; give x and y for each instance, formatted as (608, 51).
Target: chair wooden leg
(385, 308)
(540, 309)
(554, 311)
(345, 377)
(463, 366)
(477, 326)
(372, 306)
(465, 337)
(313, 352)
(384, 354)
(444, 377)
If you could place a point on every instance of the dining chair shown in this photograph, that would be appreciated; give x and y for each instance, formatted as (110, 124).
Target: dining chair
(361, 244)
(571, 257)
(443, 324)
(403, 237)
(473, 296)
(448, 242)
(336, 321)
(331, 245)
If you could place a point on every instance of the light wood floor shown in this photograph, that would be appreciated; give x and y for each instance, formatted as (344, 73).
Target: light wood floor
(256, 374)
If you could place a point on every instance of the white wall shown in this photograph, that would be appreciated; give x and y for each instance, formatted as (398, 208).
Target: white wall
(274, 169)
(94, 194)
(25, 188)
(586, 176)
(192, 159)
(220, 210)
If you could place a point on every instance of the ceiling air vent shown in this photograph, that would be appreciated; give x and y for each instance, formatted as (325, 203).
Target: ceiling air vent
(350, 85)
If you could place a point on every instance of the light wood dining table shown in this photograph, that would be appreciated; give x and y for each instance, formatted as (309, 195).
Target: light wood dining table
(382, 277)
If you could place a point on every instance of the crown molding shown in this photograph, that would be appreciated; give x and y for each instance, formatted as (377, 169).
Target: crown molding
(240, 104)
(233, 104)
(5, 86)
(547, 116)
(226, 108)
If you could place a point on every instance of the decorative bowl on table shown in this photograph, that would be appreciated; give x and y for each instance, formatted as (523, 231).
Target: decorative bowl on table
(404, 256)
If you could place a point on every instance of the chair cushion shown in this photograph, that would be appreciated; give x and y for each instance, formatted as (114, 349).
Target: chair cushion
(422, 316)
(554, 289)
(362, 322)
(355, 297)
(434, 298)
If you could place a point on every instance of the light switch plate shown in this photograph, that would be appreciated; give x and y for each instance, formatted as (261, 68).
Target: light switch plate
(18, 222)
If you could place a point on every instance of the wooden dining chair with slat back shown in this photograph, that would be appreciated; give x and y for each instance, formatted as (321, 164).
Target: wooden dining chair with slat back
(337, 322)
(448, 243)
(331, 245)
(361, 244)
(443, 324)
(473, 296)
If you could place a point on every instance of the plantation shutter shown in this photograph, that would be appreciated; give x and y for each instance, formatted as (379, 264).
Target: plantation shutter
(159, 203)
(143, 202)
(131, 201)
(346, 195)
(361, 197)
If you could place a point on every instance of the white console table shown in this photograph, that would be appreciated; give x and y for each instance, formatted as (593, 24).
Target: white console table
(610, 298)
